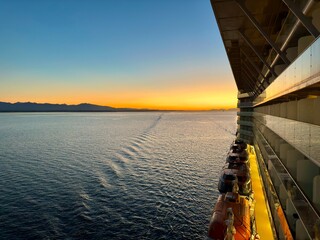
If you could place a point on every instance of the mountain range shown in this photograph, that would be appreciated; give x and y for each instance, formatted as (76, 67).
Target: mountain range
(47, 107)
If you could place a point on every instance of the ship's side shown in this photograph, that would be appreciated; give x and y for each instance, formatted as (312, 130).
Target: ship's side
(273, 48)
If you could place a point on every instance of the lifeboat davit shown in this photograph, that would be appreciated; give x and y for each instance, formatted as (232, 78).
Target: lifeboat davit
(231, 218)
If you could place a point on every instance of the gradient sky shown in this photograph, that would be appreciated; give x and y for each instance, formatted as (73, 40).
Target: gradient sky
(164, 54)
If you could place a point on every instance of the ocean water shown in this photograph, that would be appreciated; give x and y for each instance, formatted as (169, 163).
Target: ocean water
(111, 175)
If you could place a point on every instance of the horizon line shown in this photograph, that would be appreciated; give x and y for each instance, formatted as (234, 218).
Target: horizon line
(133, 108)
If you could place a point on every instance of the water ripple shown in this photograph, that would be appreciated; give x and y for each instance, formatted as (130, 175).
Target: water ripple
(110, 175)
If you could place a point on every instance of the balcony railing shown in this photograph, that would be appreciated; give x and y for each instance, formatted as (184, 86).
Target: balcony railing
(303, 136)
(303, 72)
(244, 104)
(245, 123)
(245, 114)
(290, 195)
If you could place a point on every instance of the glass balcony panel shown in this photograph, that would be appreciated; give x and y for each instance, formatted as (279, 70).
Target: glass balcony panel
(298, 71)
(314, 141)
(287, 189)
(315, 59)
(303, 72)
(290, 76)
(303, 136)
(304, 64)
(289, 129)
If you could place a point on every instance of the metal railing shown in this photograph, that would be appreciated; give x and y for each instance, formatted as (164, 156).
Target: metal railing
(287, 188)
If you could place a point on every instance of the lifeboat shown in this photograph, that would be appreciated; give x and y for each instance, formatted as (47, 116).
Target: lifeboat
(229, 178)
(241, 143)
(236, 158)
(231, 218)
(239, 166)
(236, 147)
(241, 153)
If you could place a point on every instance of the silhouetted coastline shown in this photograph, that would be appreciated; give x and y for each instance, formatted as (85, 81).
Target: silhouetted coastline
(47, 107)
(82, 107)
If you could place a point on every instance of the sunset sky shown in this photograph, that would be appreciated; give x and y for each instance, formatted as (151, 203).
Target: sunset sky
(164, 54)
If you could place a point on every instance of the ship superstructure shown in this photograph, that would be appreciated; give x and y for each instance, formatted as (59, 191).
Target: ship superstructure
(273, 47)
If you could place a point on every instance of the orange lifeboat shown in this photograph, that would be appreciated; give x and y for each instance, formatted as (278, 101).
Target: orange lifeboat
(231, 218)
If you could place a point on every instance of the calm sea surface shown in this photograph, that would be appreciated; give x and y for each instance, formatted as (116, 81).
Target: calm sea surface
(110, 175)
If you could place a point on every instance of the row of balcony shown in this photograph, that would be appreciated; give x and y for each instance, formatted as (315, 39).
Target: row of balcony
(303, 136)
(242, 104)
(303, 72)
(303, 110)
(288, 182)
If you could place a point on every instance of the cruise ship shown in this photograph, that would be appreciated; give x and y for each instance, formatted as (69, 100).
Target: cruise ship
(273, 47)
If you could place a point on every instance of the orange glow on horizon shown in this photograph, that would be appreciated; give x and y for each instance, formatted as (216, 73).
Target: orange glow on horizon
(169, 101)
(182, 101)
(203, 93)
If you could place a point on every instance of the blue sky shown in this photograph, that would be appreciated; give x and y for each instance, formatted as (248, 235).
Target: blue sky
(61, 48)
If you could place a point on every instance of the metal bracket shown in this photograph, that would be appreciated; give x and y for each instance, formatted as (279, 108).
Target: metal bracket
(259, 28)
(251, 81)
(257, 53)
(306, 21)
(257, 86)
(252, 63)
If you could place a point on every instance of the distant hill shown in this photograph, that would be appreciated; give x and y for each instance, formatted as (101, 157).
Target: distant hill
(47, 107)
